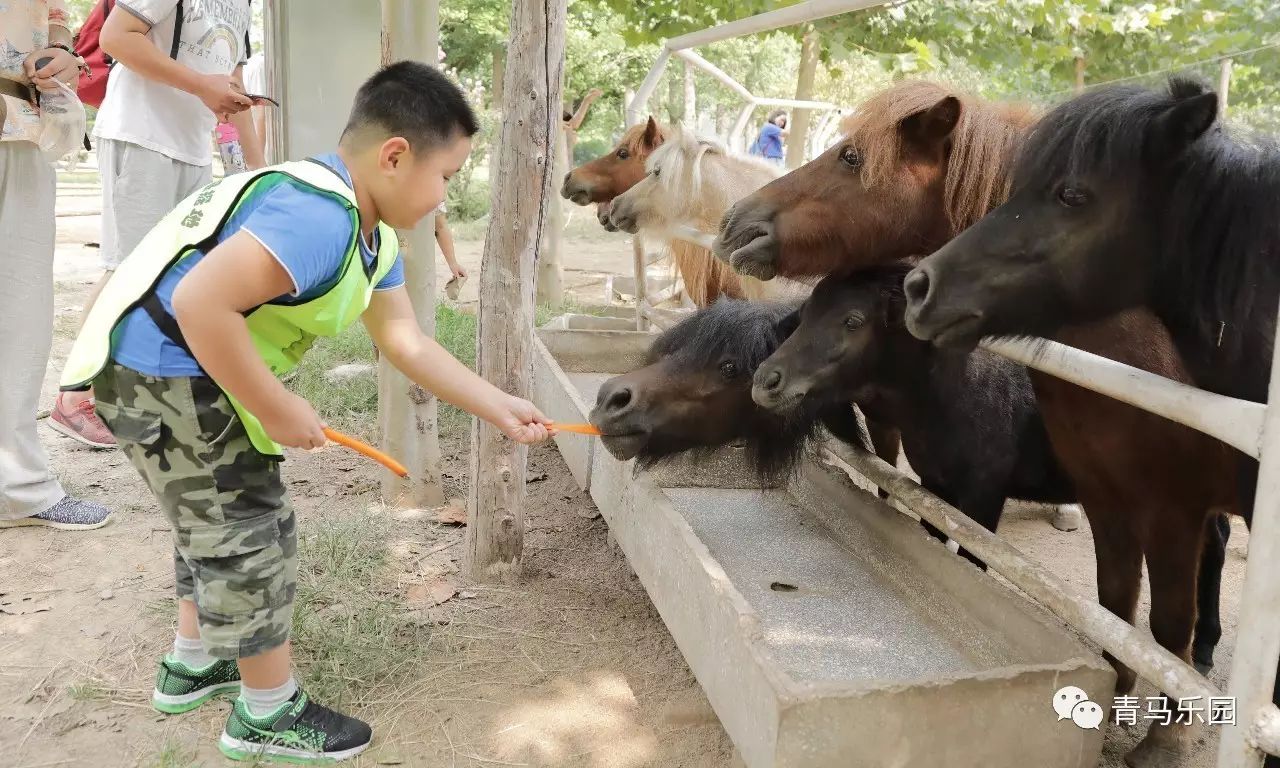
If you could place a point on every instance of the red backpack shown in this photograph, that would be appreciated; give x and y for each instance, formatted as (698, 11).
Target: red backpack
(93, 83)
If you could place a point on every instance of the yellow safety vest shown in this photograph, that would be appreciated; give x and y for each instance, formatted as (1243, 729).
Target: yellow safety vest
(282, 333)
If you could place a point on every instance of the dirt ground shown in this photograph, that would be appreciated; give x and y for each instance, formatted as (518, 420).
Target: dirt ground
(571, 667)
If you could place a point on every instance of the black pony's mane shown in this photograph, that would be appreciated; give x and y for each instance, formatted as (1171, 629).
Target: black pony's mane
(1214, 208)
(747, 332)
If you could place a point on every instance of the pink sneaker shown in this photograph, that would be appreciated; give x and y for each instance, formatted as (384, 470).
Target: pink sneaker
(81, 423)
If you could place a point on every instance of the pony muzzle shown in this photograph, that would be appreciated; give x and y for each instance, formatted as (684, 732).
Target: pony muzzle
(773, 390)
(576, 191)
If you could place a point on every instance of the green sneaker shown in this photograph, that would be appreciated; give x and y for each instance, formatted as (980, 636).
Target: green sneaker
(301, 732)
(180, 688)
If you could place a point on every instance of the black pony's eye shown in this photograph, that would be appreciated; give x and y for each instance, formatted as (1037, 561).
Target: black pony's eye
(854, 322)
(1072, 197)
(850, 157)
(623, 154)
(728, 369)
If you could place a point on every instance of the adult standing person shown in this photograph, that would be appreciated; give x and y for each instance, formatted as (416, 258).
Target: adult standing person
(162, 103)
(29, 495)
(768, 143)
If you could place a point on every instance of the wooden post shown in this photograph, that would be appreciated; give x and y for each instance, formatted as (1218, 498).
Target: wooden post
(520, 205)
(1080, 64)
(1224, 85)
(800, 118)
(550, 261)
(642, 280)
(407, 413)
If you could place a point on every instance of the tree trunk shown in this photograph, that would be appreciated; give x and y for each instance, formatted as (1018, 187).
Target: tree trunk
(499, 77)
(520, 203)
(407, 413)
(1080, 65)
(800, 118)
(690, 98)
(550, 269)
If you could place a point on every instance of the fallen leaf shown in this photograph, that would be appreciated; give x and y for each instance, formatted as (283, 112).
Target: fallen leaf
(535, 477)
(452, 513)
(431, 593)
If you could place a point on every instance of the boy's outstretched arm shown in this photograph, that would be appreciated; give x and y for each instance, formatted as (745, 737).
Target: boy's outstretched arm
(238, 275)
(394, 329)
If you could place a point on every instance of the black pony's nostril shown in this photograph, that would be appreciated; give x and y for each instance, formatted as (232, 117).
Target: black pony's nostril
(772, 379)
(916, 286)
(618, 400)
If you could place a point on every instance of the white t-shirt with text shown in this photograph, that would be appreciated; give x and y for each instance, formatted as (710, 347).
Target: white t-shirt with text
(164, 119)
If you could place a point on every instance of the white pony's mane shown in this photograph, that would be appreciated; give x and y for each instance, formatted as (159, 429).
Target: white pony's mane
(678, 162)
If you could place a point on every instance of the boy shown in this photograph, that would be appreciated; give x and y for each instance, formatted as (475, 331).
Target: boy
(182, 347)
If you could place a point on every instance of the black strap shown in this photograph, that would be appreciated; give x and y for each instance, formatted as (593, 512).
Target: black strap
(177, 32)
(165, 322)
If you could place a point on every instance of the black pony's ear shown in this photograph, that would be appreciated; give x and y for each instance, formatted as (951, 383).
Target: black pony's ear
(1179, 125)
(788, 324)
(930, 127)
(652, 134)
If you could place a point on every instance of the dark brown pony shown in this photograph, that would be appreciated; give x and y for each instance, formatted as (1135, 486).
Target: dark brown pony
(601, 180)
(1148, 486)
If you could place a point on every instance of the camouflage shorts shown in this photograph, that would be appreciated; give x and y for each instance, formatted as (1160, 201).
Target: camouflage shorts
(235, 542)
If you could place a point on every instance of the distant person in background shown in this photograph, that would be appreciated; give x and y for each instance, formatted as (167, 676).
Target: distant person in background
(153, 133)
(255, 82)
(769, 144)
(444, 237)
(29, 493)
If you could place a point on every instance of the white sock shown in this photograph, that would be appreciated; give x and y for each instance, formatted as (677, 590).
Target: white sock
(265, 701)
(191, 652)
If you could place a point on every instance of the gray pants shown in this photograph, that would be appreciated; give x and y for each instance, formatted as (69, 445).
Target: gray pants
(27, 226)
(139, 187)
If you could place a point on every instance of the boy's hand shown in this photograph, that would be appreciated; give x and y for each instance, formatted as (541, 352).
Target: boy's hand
(521, 421)
(457, 270)
(294, 423)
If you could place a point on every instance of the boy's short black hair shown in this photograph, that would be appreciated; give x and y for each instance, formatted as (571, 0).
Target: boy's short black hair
(415, 101)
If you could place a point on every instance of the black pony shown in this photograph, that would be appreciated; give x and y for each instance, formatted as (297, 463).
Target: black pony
(694, 394)
(969, 422)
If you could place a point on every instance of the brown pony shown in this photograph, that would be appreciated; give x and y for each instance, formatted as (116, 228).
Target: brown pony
(919, 164)
(601, 180)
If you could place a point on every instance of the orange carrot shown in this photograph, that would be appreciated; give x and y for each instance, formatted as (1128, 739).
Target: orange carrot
(578, 429)
(365, 449)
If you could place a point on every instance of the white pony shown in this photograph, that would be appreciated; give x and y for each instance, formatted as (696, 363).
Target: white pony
(692, 180)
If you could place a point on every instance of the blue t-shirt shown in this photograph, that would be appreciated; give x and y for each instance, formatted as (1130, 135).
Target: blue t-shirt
(769, 144)
(306, 231)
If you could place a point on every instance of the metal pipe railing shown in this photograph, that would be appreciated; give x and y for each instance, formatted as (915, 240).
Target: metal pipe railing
(1124, 641)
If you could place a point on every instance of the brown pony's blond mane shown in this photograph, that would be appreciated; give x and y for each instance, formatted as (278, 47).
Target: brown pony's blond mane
(982, 145)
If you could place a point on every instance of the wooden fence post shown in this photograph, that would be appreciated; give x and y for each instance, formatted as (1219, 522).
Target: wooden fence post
(407, 413)
(520, 204)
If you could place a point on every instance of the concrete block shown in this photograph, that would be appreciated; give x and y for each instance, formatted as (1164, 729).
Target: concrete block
(826, 628)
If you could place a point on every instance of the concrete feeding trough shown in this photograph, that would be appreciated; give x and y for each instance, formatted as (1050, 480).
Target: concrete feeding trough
(826, 628)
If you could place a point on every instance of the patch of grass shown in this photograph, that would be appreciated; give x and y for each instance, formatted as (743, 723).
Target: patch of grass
(352, 405)
(172, 754)
(349, 631)
(89, 691)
